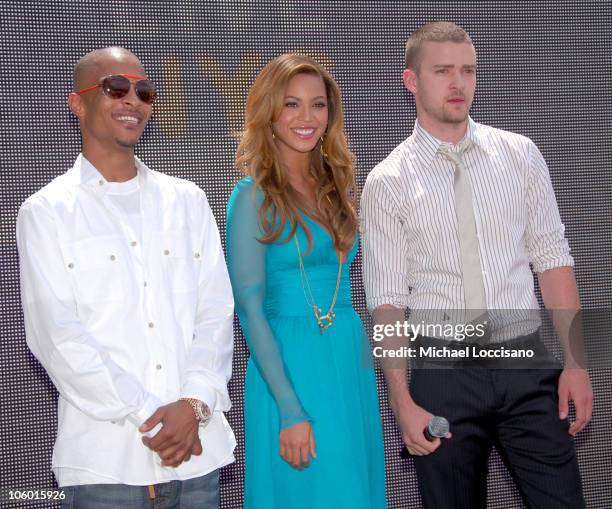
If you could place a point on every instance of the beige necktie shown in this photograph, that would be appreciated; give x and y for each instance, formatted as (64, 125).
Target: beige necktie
(473, 284)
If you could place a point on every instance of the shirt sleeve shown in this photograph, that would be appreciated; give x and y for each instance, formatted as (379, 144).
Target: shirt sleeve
(545, 234)
(209, 362)
(246, 261)
(385, 271)
(79, 366)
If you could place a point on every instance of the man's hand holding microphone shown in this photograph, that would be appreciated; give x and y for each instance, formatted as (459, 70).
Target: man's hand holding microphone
(421, 430)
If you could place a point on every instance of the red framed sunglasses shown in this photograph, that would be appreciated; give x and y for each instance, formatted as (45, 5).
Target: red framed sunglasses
(117, 86)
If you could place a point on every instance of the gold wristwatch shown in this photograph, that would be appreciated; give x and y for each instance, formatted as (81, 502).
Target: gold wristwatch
(200, 409)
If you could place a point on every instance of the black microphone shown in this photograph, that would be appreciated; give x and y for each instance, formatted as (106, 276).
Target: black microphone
(438, 427)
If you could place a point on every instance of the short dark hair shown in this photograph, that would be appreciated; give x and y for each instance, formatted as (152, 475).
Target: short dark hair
(89, 62)
(438, 31)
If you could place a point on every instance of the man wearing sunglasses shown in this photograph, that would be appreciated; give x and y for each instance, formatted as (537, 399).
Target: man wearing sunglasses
(128, 307)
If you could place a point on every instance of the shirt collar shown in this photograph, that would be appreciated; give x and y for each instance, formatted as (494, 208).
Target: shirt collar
(85, 173)
(427, 145)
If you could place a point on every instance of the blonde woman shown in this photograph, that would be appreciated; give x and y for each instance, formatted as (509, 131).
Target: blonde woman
(313, 429)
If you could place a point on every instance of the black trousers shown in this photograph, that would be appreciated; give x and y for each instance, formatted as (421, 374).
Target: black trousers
(513, 409)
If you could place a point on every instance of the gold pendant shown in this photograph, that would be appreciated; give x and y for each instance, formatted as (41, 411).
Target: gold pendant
(324, 321)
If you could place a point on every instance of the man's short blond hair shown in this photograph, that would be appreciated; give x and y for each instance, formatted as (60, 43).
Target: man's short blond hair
(438, 31)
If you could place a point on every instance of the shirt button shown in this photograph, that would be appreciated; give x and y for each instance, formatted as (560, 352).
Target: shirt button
(166, 251)
(113, 258)
(100, 182)
(151, 325)
(133, 243)
(159, 366)
(71, 265)
(145, 283)
(197, 255)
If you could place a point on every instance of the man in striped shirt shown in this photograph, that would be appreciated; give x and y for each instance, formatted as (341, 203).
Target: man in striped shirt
(415, 257)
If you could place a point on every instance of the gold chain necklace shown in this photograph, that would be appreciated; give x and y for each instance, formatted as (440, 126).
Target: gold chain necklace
(326, 320)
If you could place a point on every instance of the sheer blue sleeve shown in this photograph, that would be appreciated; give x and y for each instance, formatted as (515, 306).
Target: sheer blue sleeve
(246, 263)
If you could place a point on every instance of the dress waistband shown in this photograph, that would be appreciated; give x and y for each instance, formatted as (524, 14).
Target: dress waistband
(288, 295)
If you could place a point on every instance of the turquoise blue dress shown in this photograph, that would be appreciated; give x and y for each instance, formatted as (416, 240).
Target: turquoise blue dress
(295, 373)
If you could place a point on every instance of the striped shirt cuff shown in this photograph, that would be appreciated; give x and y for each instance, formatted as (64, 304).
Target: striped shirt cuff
(399, 301)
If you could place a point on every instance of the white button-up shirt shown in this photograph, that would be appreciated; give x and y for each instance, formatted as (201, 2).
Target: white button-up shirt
(411, 255)
(125, 323)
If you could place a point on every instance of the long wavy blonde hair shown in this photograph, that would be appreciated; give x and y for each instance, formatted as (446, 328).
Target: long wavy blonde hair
(258, 157)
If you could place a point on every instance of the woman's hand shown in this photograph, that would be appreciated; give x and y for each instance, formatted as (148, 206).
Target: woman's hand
(297, 443)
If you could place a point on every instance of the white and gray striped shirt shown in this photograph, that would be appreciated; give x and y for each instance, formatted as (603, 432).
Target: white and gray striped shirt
(409, 227)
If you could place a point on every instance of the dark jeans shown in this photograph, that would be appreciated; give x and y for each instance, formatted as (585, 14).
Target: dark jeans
(514, 410)
(200, 492)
